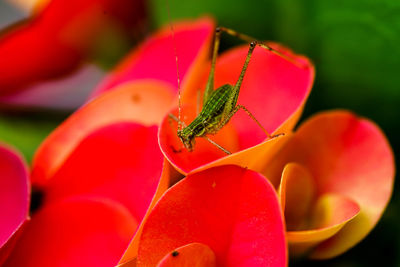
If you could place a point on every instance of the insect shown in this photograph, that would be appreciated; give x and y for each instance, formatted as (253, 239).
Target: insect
(220, 105)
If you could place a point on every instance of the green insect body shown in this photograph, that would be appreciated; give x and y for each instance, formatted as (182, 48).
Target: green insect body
(221, 104)
(209, 119)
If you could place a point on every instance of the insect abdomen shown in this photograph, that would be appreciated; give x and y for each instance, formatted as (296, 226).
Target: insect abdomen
(216, 102)
(210, 115)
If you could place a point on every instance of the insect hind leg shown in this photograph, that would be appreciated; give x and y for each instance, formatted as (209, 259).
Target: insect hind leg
(254, 119)
(236, 109)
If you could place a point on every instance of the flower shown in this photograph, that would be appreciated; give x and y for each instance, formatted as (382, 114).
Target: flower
(44, 58)
(100, 151)
(335, 178)
(112, 161)
(273, 89)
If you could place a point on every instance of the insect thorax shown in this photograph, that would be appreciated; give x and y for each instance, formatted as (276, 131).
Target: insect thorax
(210, 116)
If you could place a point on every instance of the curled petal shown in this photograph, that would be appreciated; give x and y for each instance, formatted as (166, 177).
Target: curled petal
(296, 193)
(143, 102)
(330, 215)
(14, 196)
(274, 90)
(346, 156)
(75, 232)
(155, 59)
(234, 211)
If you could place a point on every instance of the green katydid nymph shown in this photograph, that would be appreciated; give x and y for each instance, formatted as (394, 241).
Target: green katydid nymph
(221, 104)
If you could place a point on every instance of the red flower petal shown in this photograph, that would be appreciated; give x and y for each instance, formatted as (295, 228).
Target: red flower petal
(77, 232)
(155, 59)
(143, 102)
(14, 195)
(346, 156)
(132, 250)
(121, 161)
(60, 37)
(232, 210)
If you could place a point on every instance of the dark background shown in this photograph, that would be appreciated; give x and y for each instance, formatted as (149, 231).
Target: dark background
(355, 47)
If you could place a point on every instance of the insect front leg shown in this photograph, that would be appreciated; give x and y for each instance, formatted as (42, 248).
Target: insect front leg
(217, 145)
(173, 117)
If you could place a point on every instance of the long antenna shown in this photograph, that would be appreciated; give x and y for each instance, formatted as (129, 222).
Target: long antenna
(249, 39)
(177, 65)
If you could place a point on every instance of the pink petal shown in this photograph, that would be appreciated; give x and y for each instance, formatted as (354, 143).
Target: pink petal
(155, 59)
(233, 211)
(144, 102)
(76, 232)
(14, 194)
(120, 161)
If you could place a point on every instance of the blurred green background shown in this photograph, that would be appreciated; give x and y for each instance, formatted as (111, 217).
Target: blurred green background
(355, 47)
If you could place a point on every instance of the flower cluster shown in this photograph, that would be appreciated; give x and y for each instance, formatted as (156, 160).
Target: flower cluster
(111, 174)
